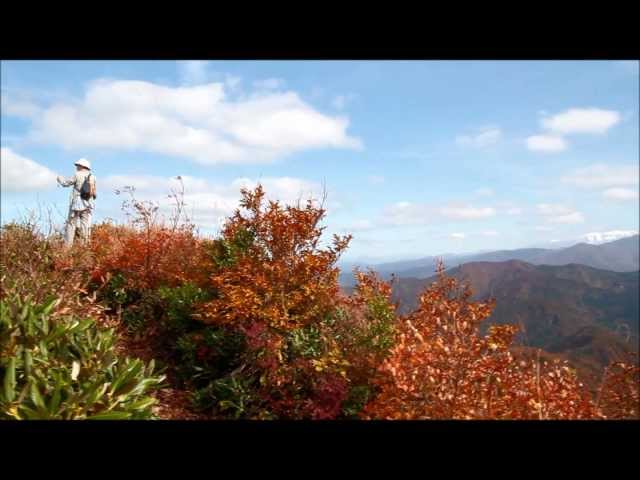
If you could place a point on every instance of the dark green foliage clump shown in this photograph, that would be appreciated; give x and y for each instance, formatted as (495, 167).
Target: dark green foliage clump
(65, 368)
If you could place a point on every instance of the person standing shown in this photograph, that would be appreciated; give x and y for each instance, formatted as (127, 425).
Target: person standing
(81, 202)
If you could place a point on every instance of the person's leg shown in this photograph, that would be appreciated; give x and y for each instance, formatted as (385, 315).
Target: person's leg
(70, 232)
(85, 225)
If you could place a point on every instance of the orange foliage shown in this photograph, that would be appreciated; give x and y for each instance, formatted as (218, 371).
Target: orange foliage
(442, 368)
(147, 258)
(278, 276)
(618, 397)
(309, 347)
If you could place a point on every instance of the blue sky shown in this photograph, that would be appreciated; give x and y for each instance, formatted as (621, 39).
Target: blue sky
(418, 157)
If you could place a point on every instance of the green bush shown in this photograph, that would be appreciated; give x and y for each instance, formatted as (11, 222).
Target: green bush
(178, 304)
(208, 354)
(225, 252)
(229, 397)
(65, 368)
(116, 293)
(356, 400)
(379, 335)
(305, 342)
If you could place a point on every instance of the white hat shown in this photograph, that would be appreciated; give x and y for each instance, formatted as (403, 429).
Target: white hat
(83, 162)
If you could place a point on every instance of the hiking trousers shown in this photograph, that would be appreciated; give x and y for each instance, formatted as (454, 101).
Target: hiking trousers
(80, 221)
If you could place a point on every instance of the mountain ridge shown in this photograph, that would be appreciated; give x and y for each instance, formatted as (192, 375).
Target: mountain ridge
(622, 255)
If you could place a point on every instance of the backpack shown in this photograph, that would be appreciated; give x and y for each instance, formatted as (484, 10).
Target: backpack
(88, 189)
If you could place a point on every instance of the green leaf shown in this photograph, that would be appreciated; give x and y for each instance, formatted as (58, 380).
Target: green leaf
(97, 392)
(142, 404)
(36, 398)
(45, 325)
(110, 416)
(30, 414)
(55, 400)
(52, 302)
(79, 326)
(28, 362)
(43, 348)
(129, 374)
(10, 381)
(25, 312)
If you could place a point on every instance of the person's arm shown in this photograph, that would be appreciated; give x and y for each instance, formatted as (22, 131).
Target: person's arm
(66, 182)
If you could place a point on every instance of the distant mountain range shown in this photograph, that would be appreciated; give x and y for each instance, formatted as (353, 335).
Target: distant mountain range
(578, 303)
(621, 255)
(586, 315)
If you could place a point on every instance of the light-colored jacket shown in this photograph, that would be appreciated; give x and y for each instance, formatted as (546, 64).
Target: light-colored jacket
(75, 201)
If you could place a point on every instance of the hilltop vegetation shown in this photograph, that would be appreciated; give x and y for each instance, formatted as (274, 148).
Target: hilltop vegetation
(582, 314)
(253, 325)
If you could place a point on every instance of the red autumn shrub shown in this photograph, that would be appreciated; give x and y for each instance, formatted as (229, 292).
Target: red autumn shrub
(148, 258)
(442, 368)
(274, 283)
(618, 396)
(270, 267)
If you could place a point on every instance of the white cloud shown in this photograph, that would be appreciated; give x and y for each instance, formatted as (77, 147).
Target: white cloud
(466, 212)
(360, 226)
(155, 184)
(459, 236)
(604, 237)
(407, 213)
(570, 218)
(546, 143)
(199, 123)
(490, 233)
(603, 176)
(621, 194)
(18, 107)
(211, 203)
(562, 214)
(569, 122)
(485, 192)
(193, 72)
(20, 174)
(486, 137)
(547, 209)
(581, 120)
(269, 83)
(375, 179)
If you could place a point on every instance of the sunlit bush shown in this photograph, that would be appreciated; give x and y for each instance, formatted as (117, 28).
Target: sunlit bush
(65, 368)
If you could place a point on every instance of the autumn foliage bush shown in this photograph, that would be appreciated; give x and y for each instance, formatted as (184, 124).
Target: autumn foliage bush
(254, 324)
(443, 368)
(147, 257)
(270, 268)
(619, 394)
(38, 264)
(275, 285)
